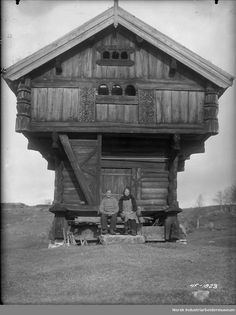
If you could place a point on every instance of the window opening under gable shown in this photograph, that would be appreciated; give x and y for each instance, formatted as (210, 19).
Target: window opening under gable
(116, 90)
(124, 55)
(103, 89)
(106, 55)
(115, 55)
(130, 90)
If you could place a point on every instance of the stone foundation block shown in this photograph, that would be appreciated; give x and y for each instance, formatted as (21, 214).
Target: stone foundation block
(118, 239)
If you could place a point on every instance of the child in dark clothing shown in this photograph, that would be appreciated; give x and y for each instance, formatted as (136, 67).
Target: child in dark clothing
(128, 211)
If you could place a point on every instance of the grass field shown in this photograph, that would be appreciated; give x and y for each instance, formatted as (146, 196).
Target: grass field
(151, 273)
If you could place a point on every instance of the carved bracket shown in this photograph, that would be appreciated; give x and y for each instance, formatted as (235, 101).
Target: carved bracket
(23, 105)
(211, 111)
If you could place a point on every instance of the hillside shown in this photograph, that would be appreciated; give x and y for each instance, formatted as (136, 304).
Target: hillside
(25, 226)
(211, 217)
(152, 273)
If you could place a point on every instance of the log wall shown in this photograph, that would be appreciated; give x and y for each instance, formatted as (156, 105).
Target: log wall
(148, 185)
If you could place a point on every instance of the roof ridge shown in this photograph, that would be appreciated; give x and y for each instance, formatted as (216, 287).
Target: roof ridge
(116, 15)
(163, 38)
(61, 38)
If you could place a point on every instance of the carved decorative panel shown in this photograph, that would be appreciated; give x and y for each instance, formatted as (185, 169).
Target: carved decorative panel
(211, 108)
(23, 100)
(146, 107)
(87, 105)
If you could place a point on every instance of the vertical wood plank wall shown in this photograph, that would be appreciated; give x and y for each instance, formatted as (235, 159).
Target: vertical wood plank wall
(149, 62)
(80, 63)
(64, 104)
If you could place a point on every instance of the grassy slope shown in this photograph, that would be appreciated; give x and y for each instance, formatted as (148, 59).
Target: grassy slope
(154, 273)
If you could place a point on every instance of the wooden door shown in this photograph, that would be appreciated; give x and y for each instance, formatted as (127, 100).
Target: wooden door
(115, 179)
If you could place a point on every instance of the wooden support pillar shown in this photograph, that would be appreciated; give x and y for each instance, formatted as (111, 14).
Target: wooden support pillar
(99, 148)
(58, 183)
(59, 226)
(173, 170)
(172, 195)
(171, 220)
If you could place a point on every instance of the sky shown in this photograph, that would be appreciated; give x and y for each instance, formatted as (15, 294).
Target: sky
(204, 27)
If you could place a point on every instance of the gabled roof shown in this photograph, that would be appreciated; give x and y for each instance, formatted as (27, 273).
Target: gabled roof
(116, 15)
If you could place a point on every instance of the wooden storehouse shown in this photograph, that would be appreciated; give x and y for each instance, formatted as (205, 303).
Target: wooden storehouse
(115, 103)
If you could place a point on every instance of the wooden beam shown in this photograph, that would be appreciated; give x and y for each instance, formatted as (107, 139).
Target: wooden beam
(58, 66)
(80, 208)
(118, 100)
(121, 163)
(139, 41)
(161, 84)
(109, 127)
(77, 170)
(173, 67)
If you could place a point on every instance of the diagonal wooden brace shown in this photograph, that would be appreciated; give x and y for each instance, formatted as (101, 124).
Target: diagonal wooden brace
(76, 168)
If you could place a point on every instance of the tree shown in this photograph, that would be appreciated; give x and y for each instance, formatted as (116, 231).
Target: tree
(199, 212)
(231, 194)
(219, 199)
(227, 196)
(230, 197)
(200, 201)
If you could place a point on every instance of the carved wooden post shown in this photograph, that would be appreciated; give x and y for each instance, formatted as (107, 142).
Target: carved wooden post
(211, 110)
(172, 195)
(23, 106)
(58, 190)
(173, 169)
(171, 220)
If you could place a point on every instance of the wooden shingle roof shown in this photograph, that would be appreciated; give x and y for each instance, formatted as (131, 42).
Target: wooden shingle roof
(118, 16)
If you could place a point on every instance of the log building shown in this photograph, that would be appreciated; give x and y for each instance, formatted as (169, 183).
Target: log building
(115, 103)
